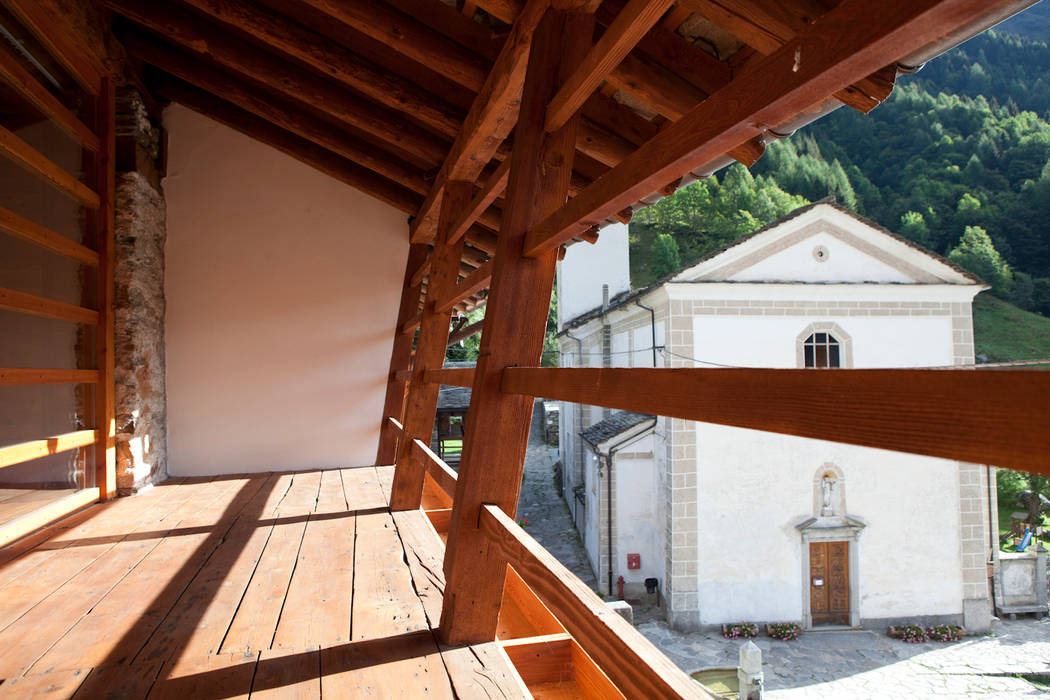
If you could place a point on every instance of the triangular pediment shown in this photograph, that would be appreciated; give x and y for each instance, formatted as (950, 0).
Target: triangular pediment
(825, 244)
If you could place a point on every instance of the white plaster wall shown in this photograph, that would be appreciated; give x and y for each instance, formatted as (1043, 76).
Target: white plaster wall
(587, 267)
(751, 567)
(878, 341)
(590, 535)
(843, 262)
(282, 288)
(639, 513)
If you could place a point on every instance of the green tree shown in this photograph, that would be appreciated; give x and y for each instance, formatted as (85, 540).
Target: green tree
(913, 227)
(664, 255)
(977, 254)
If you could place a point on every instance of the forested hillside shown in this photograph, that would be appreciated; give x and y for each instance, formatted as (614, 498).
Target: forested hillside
(958, 159)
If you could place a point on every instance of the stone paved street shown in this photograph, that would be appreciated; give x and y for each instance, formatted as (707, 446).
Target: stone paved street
(850, 665)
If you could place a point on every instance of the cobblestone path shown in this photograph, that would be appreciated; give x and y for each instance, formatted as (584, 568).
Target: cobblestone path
(539, 503)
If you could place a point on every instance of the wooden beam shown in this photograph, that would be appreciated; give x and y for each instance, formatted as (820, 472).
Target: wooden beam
(284, 77)
(36, 234)
(489, 121)
(408, 37)
(630, 660)
(39, 306)
(295, 146)
(623, 34)
(329, 58)
(411, 324)
(103, 177)
(278, 112)
(851, 41)
(400, 357)
(450, 377)
(488, 194)
(767, 26)
(466, 332)
(25, 156)
(436, 467)
(430, 353)
(51, 26)
(496, 430)
(984, 417)
(35, 449)
(468, 287)
(12, 73)
(17, 376)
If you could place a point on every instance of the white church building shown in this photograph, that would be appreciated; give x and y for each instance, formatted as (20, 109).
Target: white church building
(731, 524)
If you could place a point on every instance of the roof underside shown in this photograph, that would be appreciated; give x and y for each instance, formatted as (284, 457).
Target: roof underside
(397, 98)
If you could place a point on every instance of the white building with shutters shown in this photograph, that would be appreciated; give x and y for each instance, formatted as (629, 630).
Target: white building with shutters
(737, 524)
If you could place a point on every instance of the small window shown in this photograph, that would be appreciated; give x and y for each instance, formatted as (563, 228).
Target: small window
(821, 350)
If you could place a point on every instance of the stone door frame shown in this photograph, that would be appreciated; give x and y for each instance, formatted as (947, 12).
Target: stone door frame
(837, 529)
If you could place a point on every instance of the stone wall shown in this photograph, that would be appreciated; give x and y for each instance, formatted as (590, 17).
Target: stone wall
(141, 406)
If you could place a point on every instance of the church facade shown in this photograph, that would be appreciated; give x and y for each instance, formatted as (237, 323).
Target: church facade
(728, 524)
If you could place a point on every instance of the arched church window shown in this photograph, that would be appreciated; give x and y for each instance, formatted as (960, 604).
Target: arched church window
(821, 350)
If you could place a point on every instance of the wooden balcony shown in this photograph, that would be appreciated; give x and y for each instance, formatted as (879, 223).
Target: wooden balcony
(274, 585)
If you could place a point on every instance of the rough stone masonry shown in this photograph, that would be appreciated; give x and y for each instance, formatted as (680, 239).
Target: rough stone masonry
(141, 406)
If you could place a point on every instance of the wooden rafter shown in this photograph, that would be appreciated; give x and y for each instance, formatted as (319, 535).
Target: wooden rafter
(849, 42)
(285, 78)
(490, 119)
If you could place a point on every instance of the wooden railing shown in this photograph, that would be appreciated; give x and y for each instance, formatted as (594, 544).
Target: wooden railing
(603, 650)
(96, 137)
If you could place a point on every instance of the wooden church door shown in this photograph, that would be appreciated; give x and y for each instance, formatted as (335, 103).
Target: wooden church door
(829, 583)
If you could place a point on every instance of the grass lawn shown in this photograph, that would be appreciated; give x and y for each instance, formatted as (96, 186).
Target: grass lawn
(1003, 332)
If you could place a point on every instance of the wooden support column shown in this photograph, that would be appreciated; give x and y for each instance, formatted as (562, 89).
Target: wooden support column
(104, 180)
(519, 297)
(430, 351)
(400, 357)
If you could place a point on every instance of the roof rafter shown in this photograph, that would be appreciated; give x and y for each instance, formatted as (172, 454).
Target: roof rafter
(846, 44)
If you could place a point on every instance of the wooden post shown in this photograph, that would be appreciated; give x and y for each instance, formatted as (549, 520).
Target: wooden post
(104, 182)
(400, 357)
(518, 302)
(430, 351)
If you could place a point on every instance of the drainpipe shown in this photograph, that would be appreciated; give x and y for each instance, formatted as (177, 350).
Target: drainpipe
(577, 412)
(607, 459)
(652, 324)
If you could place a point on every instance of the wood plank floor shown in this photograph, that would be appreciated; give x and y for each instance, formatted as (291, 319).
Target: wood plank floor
(266, 585)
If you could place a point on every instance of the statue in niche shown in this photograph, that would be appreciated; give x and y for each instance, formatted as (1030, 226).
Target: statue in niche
(827, 488)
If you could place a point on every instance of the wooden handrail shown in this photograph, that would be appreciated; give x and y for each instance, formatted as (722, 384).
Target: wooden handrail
(450, 377)
(630, 660)
(983, 417)
(35, 449)
(20, 376)
(443, 474)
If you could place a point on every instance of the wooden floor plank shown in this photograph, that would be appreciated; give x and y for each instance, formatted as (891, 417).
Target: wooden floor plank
(123, 682)
(33, 634)
(405, 666)
(385, 474)
(255, 622)
(482, 670)
(227, 676)
(61, 684)
(28, 501)
(197, 622)
(317, 607)
(363, 489)
(113, 519)
(115, 629)
(385, 603)
(287, 674)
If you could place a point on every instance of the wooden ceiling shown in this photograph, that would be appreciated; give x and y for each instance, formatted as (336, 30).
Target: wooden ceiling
(399, 97)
